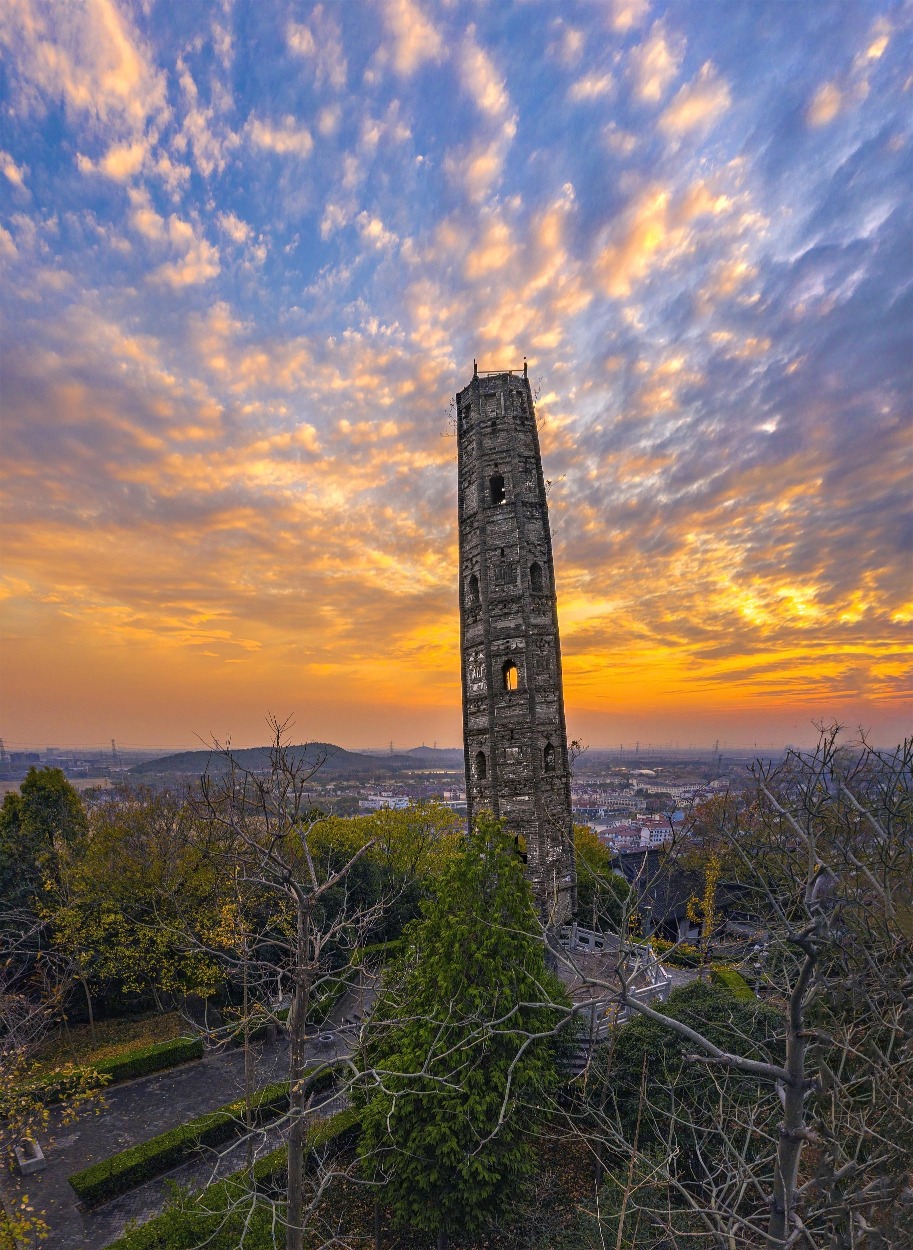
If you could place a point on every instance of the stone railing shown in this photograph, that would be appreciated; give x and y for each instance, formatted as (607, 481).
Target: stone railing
(648, 979)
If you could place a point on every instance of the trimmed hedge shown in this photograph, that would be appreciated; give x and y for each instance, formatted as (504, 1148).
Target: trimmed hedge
(324, 1003)
(380, 951)
(133, 1063)
(257, 1030)
(206, 1218)
(124, 1171)
(734, 982)
(154, 1058)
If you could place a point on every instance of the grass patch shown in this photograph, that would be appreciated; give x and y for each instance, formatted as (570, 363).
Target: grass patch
(113, 1038)
(733, 981)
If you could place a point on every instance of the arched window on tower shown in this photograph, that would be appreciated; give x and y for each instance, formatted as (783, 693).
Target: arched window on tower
(473, 591)
(496, 488)
(511, 676)
(481, 765)
(535, 578)
(548, 758)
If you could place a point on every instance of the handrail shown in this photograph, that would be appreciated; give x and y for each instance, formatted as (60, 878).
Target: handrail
(487, 373)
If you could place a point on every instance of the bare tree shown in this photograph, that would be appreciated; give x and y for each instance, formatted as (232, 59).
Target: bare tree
(313, 913)
(806, 1136)
(33, 986)
(267, 819)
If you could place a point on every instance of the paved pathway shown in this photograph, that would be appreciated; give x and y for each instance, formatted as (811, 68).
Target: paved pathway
(143, 1108)
(680, 976)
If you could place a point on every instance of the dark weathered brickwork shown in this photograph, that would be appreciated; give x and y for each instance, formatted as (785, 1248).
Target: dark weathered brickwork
(513, 705)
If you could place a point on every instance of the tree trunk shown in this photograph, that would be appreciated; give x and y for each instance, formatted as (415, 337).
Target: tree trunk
(443, 1240)
(294, 1233)
(248, 1072)
(376, 1222)
(85, 986)
(792, 1129)
(600, 1163)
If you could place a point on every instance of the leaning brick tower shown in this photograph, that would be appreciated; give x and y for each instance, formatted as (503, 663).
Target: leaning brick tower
(514, 735)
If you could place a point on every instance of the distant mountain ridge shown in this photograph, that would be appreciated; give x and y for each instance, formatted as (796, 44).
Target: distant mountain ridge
(445, 756)
(329, 759)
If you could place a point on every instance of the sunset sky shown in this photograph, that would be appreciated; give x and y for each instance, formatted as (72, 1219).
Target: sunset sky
(249, 253)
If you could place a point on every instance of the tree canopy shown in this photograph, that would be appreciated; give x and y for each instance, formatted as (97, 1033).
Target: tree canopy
(459, 1058)
(44, 818)
(601, 892)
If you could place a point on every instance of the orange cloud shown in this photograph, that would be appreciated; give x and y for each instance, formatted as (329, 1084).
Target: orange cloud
(656, 230)
(654, 64)
(415, 38)
(697, 104)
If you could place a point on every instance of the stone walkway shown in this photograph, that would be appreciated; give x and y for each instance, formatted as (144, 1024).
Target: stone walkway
(680, 976)
(144, 1108)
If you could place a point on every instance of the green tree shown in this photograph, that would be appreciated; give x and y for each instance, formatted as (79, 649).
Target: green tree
(116, 908)
(601, 892)
(681, 1090)
(45, 818)
(266, 816)
(460, 1055)
(409, 848)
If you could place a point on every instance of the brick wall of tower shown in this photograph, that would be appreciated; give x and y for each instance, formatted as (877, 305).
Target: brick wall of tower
(515, 740)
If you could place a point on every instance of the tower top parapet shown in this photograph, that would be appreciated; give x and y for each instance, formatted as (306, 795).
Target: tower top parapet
(489, 373)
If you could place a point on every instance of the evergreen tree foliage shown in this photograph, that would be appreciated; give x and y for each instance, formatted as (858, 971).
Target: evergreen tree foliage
(601, 892)
(39, 822)
(456, 1070)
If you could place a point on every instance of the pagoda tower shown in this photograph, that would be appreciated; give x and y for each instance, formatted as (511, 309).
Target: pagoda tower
(514, 736)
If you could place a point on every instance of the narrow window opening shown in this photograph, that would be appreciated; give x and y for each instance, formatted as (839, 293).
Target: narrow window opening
(473, 591)
(548, 758)
(481, 766)
(535, 577)
(511, 676)
(496, 488)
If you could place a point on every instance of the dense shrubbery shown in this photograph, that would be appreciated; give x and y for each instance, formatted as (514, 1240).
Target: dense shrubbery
(124, 1171)
(601, 892)
(647, 1054)
(680, 954)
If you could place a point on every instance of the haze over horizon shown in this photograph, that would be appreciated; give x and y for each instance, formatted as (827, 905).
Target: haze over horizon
(249, 254)
(104, 745)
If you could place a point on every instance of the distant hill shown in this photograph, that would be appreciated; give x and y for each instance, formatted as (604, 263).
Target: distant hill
(446, 757)
(334, 761)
